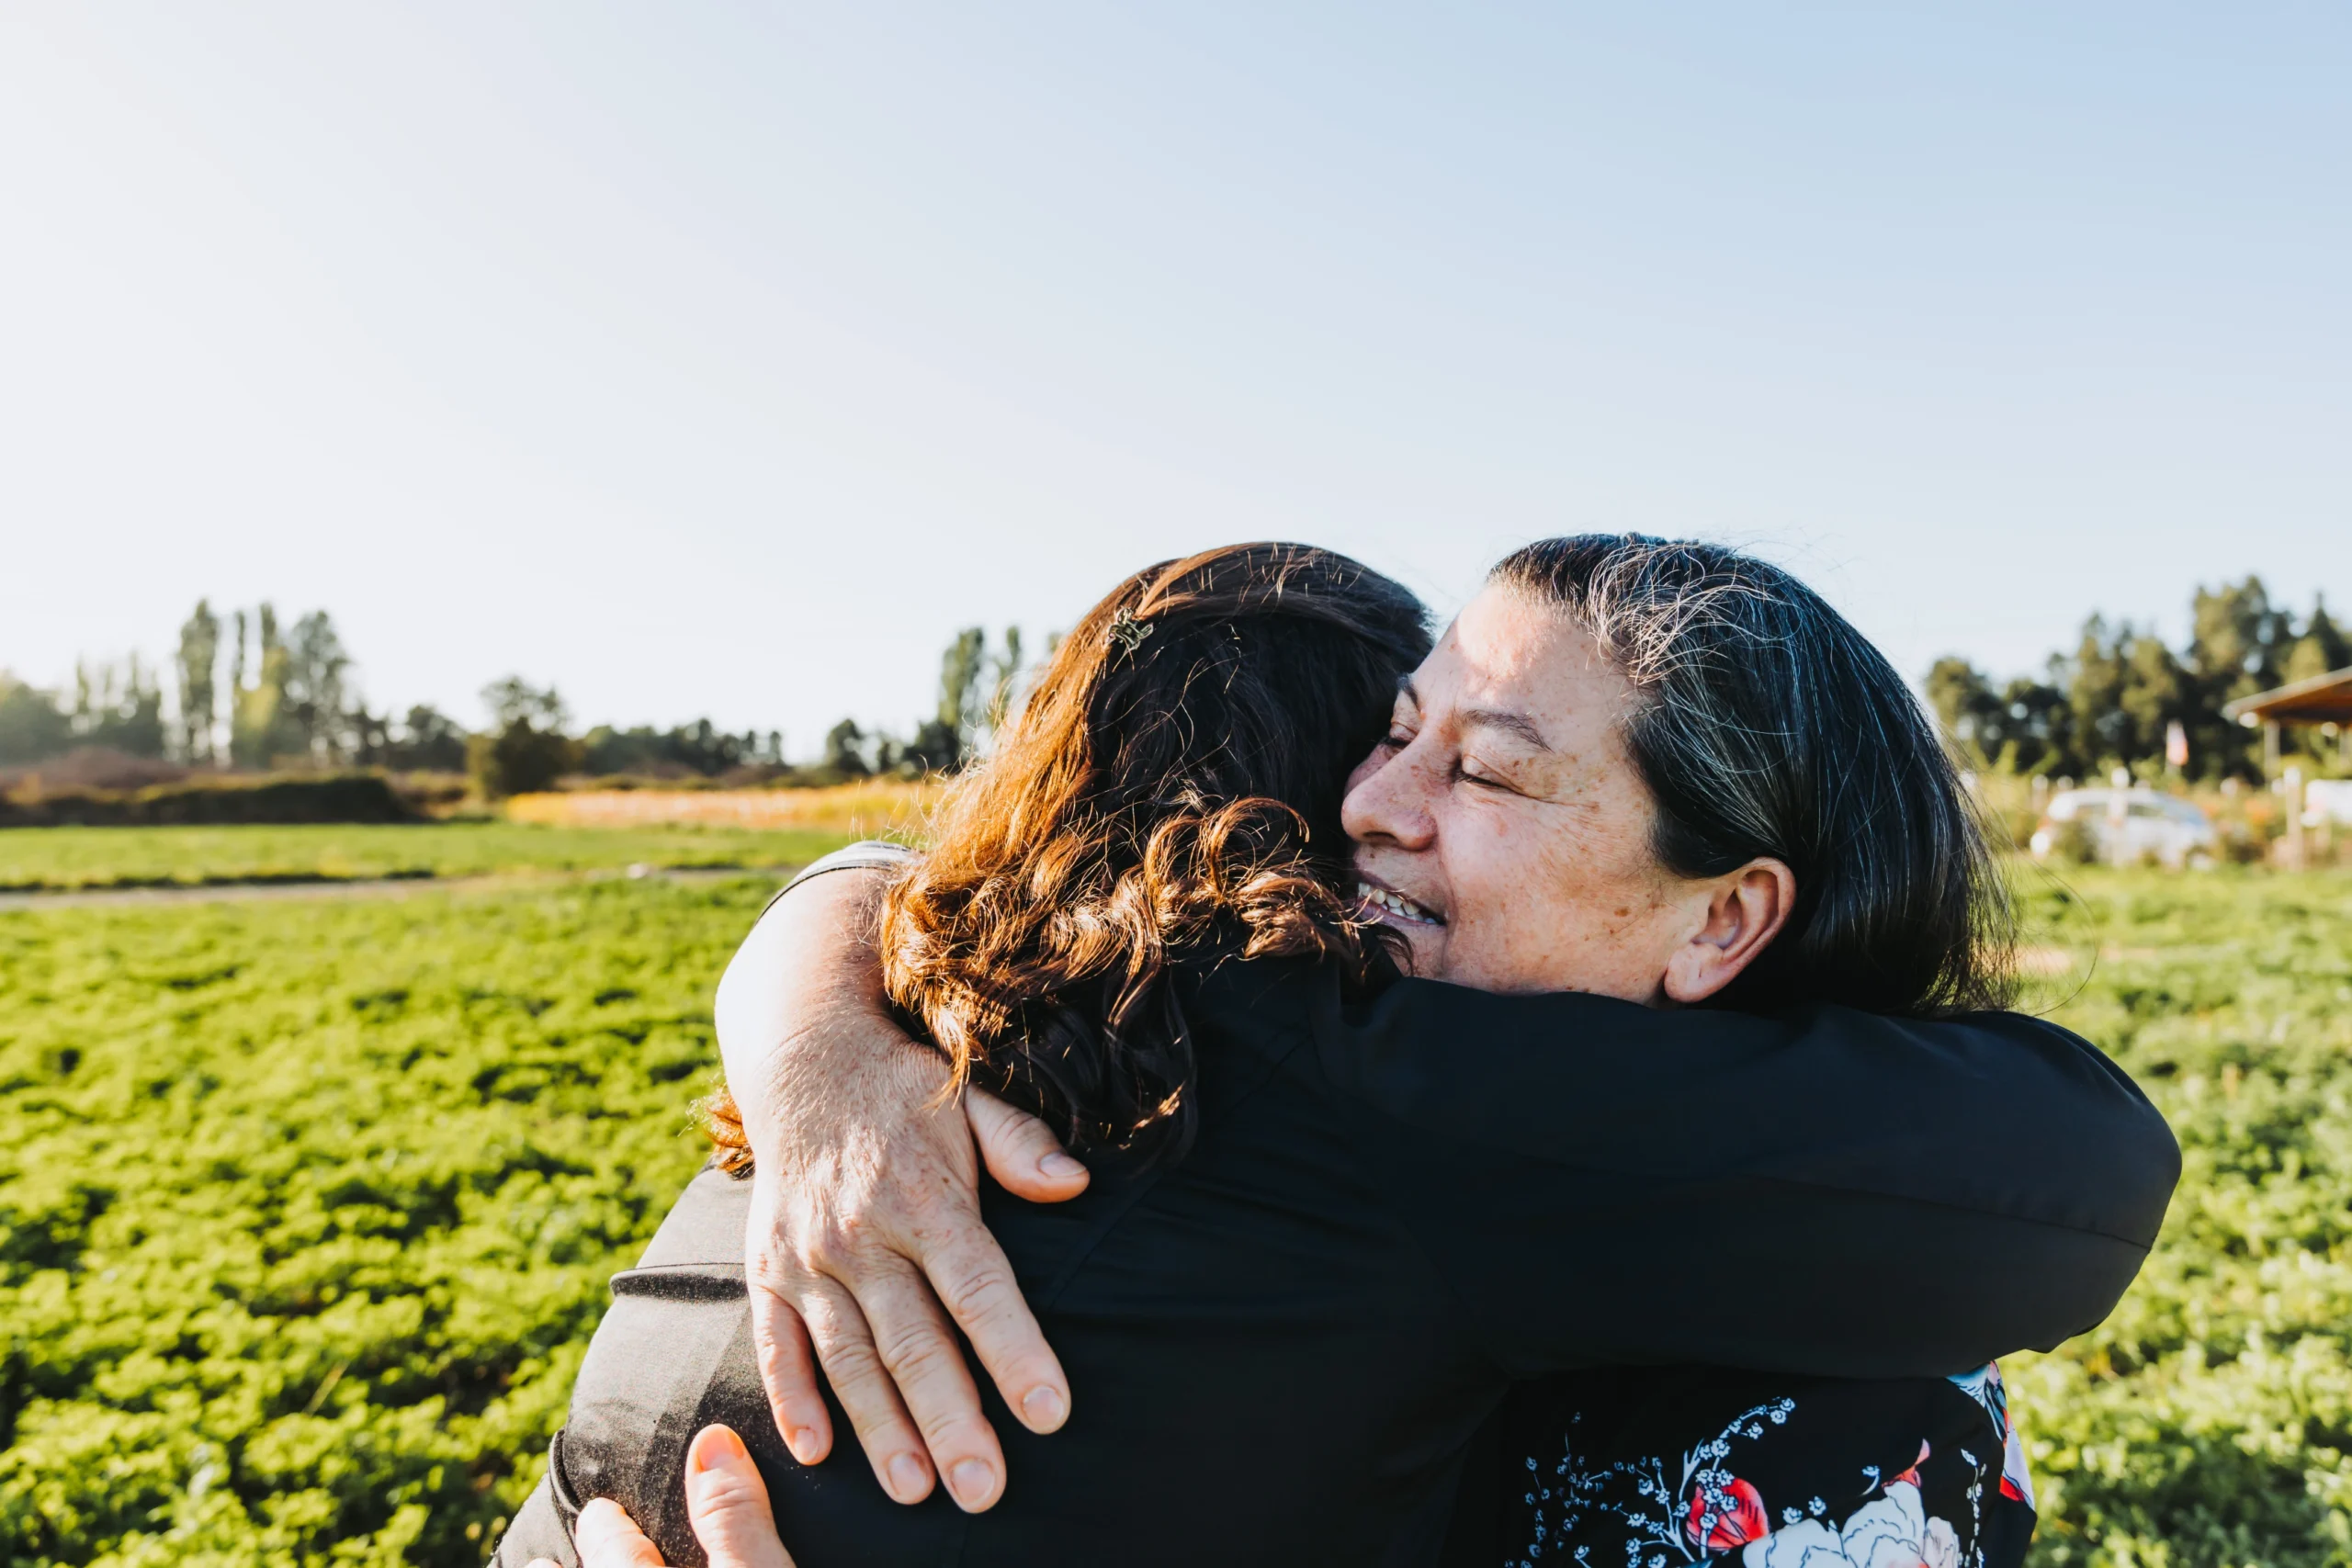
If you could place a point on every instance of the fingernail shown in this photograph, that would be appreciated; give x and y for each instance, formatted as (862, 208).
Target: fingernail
(1042, 1408)
(716, 1447)
(1060, 1166)
(906, 1478)
(973, 1482)
(802, 1441)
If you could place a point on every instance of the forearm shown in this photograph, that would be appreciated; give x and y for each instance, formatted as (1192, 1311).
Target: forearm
(801, 994)
(1735, 1188)
(865, 1201)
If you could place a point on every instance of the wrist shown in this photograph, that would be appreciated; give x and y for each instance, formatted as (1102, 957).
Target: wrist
(803, 1025)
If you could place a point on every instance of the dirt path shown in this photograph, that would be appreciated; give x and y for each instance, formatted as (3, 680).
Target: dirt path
(373, 887)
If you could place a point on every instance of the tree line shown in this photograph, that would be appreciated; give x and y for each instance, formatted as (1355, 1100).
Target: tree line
(2125, 698)
(249, 692)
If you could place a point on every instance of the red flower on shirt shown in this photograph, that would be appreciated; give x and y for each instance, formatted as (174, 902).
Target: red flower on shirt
(1736, 1514)
(1912, 1474)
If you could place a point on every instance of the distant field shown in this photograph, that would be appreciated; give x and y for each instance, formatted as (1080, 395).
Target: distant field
(59, 858)
(306, 1211)
(875, 809)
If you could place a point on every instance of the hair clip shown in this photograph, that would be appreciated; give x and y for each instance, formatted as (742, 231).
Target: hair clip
(1128, 632)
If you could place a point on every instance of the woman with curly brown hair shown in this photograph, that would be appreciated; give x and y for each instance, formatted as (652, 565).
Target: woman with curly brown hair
(1150, 803)
(1332, 1217)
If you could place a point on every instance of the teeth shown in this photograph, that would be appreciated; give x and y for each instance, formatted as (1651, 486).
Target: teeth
(1395, 904)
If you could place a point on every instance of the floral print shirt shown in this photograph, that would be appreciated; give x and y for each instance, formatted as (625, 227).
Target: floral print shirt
(1660, 1468)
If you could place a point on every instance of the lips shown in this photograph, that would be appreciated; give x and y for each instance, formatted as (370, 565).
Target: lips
(1388, 902)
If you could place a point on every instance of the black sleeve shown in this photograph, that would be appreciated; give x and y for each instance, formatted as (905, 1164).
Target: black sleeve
(1824, 1191)
(539, 1531)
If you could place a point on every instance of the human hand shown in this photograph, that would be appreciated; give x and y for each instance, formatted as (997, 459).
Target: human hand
(864, 1241)
(727, 1504)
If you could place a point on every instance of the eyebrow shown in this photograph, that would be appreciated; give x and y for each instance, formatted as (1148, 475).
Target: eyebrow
(1510, 723)
(1517, 723)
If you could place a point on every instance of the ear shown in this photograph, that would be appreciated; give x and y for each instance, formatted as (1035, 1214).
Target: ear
(1745, 911)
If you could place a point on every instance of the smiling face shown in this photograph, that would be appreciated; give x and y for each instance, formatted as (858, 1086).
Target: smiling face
(1503, 828)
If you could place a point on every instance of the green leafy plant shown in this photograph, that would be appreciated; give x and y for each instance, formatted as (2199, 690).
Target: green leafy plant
(2208, 1420)
(306, 1211)
(309, 1211)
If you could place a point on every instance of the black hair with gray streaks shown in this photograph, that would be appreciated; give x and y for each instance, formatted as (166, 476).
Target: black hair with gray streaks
(1767, 726)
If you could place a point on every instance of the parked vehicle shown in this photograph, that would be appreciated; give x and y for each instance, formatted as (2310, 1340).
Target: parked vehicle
(2125, 825)
(2327, 800)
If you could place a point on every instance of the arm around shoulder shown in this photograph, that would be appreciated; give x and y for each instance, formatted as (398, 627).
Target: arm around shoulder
(1827, 1191)
(864, 1214)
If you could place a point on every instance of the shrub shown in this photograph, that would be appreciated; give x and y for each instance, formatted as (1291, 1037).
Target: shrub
(519, 759)
(214, 800)
(2076, 842)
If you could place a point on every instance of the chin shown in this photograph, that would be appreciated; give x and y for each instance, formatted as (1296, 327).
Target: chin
(1425, 949)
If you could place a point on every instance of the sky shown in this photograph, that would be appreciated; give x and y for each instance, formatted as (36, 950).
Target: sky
(723, 359)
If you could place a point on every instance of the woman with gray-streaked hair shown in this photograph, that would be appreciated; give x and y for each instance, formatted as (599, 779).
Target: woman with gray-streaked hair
(1728, 721)
(1601, 1123)
(1775, 744)
(1764, 727)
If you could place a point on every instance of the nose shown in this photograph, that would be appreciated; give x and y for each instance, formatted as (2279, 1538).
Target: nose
(1390, 803)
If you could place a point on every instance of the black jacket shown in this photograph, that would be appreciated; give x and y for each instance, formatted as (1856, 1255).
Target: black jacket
(1281, 1348)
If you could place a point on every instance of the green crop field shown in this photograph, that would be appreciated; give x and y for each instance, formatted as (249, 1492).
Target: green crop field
(307, 1210)
(2208, 1421)
(61, 858)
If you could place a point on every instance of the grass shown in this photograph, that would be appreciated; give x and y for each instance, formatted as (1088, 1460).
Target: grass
(306, 1212)
(2208, 1420)
(69, 858)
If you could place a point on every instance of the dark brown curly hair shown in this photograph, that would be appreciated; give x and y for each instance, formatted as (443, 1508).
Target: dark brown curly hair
(1169, 790)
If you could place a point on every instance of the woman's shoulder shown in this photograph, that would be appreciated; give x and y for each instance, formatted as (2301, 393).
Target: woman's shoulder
(1255, 1008)
(1226, 979)
(704, 1229)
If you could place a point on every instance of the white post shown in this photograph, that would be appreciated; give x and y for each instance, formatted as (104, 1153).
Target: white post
(2295, 819)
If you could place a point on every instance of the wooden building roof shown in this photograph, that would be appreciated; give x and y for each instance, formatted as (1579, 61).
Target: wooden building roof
(2323, 699)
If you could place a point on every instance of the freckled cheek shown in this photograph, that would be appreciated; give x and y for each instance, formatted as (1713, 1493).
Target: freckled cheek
(1522, 916)
(1585, 907)
(1483, 863)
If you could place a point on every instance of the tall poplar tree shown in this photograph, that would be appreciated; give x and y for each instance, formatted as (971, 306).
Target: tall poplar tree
(259, 731)
(313, 691)
(199, 653)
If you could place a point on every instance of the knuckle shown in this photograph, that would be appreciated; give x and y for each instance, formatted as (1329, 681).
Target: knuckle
(980, 1294)
(846, 1357)
(1027, 1372)
(727, 1491)
(1023, 1131)
(831, 1318)
(809, 1262)
(781, 1365)
(918, 1352)
(955, 1434)
(776, 1259)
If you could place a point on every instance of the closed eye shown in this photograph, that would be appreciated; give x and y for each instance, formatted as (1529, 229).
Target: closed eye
(1461, 770)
